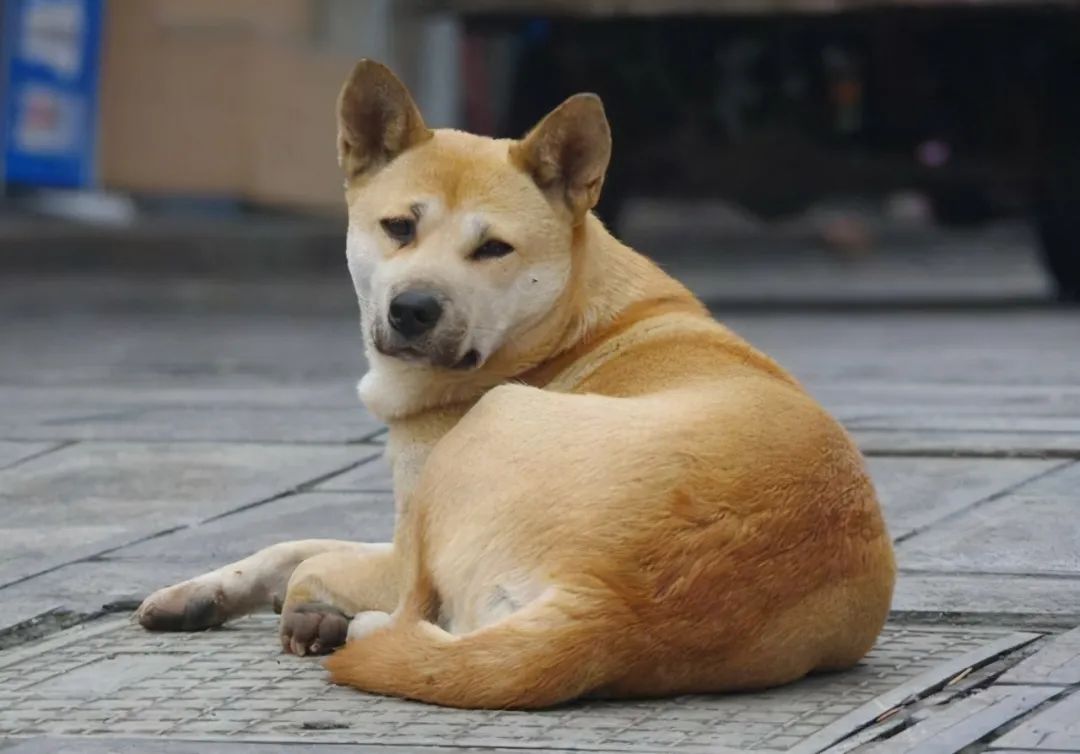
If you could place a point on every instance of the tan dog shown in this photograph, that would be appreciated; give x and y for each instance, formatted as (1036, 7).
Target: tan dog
(599, 489)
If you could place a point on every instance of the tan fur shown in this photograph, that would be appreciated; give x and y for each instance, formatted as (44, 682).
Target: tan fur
(624, 498)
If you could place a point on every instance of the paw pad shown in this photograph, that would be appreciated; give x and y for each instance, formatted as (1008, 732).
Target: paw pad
(313, 628)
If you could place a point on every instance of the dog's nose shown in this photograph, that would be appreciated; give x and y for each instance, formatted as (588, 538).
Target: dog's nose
(413, 313)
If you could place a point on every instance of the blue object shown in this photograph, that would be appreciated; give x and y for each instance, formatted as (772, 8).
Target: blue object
(50, 91)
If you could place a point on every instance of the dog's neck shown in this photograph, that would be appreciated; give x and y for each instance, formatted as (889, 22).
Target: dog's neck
(608, 279)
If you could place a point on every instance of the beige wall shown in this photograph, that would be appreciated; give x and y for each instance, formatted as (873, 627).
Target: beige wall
(235, 97)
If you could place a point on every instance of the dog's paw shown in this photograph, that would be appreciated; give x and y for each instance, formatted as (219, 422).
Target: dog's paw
(313, 628)
(367, 622)
(189, 606)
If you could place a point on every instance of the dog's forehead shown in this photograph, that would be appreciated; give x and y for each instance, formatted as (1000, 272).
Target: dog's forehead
(462, 173)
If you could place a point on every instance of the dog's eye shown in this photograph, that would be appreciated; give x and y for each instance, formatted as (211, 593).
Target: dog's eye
(491, 250)
(401, 229)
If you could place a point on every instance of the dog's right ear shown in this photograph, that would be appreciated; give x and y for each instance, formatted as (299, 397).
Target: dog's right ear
(377, 119)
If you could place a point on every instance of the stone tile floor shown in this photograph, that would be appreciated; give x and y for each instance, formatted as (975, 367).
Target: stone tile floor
(139, 448)
(111, 678)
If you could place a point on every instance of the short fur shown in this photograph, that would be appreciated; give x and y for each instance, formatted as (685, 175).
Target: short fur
(600, 490)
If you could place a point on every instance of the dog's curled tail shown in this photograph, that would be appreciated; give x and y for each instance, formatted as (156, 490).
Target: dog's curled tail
(553, 650)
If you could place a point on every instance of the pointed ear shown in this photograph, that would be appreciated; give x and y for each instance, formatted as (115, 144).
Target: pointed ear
(377, 119)
(568, 152)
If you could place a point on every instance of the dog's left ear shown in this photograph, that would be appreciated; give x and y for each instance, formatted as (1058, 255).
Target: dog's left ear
(567, 153)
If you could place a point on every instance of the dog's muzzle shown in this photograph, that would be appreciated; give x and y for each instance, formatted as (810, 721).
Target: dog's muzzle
(417, 328)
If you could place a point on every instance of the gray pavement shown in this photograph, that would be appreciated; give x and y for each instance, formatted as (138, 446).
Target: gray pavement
(147, 435)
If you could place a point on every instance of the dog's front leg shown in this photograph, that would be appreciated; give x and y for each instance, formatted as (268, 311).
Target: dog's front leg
(341, 594)
(257, 582)
(338, 594)
(328, 590)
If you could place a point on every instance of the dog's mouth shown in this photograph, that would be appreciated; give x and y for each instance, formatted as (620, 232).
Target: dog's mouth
(471, 359)
(405, 354)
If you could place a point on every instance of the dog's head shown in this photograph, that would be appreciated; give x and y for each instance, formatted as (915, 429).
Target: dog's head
(459, 244)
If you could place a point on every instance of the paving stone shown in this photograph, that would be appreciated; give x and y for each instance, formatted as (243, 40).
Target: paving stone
(798, 272)
(214, 423)
(961, 724)
(183, 680)
(865, 400)
(1016, 554)
(12, 453)
(311, 393)
(916, 492)
(130, 573)
(1056, 728)
(1007, 347)
(1057, 662)
(989, 594)
(1062, 483)
(180, 349)
(998, 537)
(85, 499)
(363, 517)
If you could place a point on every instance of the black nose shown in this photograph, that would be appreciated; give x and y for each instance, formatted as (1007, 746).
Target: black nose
(413, 313)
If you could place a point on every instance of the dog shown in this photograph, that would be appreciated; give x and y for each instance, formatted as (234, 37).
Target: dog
(599, 490)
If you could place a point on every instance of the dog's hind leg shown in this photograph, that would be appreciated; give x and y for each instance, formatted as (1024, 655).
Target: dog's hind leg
(257, 582)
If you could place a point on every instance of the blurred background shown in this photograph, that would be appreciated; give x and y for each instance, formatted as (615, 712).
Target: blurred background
(856, 151)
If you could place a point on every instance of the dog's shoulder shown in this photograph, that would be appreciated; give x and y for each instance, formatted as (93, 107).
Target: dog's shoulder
(656, 348)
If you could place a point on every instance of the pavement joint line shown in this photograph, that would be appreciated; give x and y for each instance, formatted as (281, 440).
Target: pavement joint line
(1048, 575)
(872, 734)
(59, 639)
(164, 404)
(1005, 491)
(251, 744)
(371, 436)
(57, 445)
(1053, 389)
(718, 306)
(92, 556)
(958, 739)
(993, 670)
(43, 625)
(923, 685)
(1006, 680)
(1045, 454)
(939, 431)
(68, 441)
(118, 413)
(308, 486)
(1016, 722)
(1034, 621)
